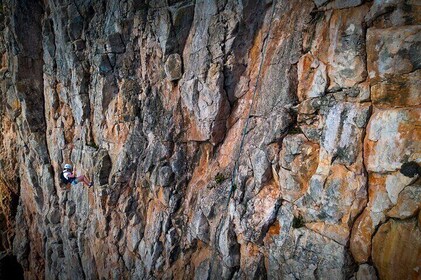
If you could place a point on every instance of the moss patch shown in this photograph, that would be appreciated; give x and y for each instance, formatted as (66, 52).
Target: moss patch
(295, 130)
(219, 178)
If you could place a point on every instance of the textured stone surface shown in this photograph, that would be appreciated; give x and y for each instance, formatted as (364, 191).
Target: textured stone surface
(366, 272)
(150, 100)
(392, 54)
(390, 139)
(312, 77)
(347, 65)
(401, 257)
(173, 67)
(408, 203)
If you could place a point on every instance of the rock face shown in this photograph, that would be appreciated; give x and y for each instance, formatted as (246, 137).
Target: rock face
(150, 99)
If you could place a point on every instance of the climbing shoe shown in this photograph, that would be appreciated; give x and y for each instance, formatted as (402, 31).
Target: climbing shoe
(91, 184)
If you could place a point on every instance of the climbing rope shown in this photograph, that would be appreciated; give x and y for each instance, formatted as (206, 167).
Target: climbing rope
(234, 172)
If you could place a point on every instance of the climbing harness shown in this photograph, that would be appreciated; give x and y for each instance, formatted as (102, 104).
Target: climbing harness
(234, 172)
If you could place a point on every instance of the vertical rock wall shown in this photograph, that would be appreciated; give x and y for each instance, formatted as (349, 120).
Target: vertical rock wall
(150, 99)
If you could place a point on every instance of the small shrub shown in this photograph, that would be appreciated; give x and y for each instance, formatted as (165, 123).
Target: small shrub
(295, 130)
(219, 178)
(93, 145)
(298, 222)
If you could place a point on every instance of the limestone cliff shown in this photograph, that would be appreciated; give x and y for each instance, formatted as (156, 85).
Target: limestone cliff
(150, 98)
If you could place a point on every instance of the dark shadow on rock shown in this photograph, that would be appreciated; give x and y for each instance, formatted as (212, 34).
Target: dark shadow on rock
(253, 16)
(410, 169)
(10, 269)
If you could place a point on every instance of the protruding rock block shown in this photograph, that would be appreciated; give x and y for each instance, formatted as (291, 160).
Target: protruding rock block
(362, 232)
(391, 139)
(398, 91)
(227, 244)
(298, 162)
(115, 43)
(261, 167)
(366, 272)
(408, 203)
(207, 106)
(396, 250)
(312, 77)
(393, 63)
(393, 52)
(174, 67)
(347, 65)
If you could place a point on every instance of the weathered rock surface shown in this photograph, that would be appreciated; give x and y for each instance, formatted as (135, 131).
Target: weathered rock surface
(401, 257)
(151, 98)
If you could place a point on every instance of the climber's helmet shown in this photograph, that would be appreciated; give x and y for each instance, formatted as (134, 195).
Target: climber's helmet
(67, 166)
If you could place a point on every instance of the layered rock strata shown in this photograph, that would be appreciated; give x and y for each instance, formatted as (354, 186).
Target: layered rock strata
(150, 99)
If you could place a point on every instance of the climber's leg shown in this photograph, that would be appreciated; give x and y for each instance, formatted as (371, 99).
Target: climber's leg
(84, 180)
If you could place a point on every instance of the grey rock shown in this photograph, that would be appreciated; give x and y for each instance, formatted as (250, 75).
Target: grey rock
(344, 122)
(343, 4)
(150, 99)
(262, 169)
(178, 162)
(105, 65)
(293, 254)
(348, 67)
(173, 67)
(115, 43)
(201, 227)
(165, 176)
(103, 168)
(76, 28)
(202, 271)
(366, 272)
(379, 8)
(135, 235)
(227, 244)
(71, 207)
(320, 2)
(54, 216)
(407, 203)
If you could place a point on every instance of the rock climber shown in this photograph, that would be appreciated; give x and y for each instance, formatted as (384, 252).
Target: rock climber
(69, 176)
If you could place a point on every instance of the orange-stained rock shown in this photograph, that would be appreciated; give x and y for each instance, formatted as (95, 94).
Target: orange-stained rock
(408, 204)
(398, 91)
(385, 14)
(319, 38)
(336, 232)
(392, 52)
(152, 101)
(378, 197)
(229, 148)
(311, 76)
(335, 199)
(396, 250)
(388, 195)
(347, 65)
(362, 231)
(260, 212)
(391, 139)
(391, 55)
